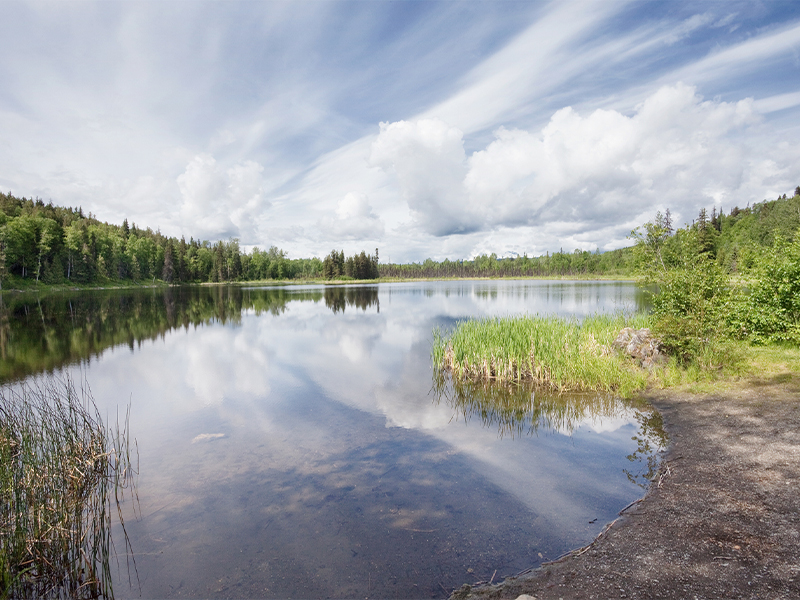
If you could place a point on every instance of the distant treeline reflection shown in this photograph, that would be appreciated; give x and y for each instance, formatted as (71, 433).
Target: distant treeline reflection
(45, 332)
(518, 410)
(338, 298)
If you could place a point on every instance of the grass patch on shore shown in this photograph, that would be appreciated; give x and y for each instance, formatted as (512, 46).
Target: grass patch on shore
(62, 471)
(558, 353)
(566, 355)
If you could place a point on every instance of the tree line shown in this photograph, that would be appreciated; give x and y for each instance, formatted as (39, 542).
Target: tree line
(577, 263)
(358, 266)
(53, 244)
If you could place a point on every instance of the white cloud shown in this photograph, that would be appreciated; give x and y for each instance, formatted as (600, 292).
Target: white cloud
(590, 171)
(757, 53)
(507, 82)
(428, 159)
(354, 220)
(605, 166)
(221, 202)
(197, 120)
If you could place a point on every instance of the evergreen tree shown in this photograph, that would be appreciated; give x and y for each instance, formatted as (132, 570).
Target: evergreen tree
(705, 233)
(168, 272)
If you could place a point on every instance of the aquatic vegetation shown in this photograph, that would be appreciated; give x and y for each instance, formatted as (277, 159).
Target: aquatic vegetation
(62, 471)
(562, 354)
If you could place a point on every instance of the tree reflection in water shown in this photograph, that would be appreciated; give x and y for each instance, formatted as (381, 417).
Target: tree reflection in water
(48, 331)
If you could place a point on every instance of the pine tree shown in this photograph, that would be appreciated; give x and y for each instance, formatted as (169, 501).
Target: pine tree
(705, 233)
(168, 272)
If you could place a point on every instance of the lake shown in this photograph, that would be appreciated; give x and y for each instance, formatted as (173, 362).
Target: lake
(293, 441)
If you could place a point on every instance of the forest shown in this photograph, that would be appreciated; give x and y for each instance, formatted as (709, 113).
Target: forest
(57, 245)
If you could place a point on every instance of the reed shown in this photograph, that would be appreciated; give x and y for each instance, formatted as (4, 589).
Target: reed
(552, 352)
(62, 471)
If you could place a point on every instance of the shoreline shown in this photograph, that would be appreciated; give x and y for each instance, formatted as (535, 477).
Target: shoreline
(721, 520)
(158, 284)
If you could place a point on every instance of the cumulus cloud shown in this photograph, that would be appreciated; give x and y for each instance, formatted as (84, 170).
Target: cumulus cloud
(354, 219)
(429, 161)
(676, 149)
(221, 202)
(579, 172)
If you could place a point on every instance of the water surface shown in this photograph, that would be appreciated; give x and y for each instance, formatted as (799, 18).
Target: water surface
(293, 442)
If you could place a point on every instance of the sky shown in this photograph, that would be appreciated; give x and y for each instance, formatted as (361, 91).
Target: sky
(424, 129)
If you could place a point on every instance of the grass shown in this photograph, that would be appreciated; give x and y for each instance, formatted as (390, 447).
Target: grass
(61, 473)
(552, 352)
(567, 355)
(756, 365)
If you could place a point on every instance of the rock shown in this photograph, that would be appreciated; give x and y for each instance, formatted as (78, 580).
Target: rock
(525, 597)
(462, 593)
(641, 345)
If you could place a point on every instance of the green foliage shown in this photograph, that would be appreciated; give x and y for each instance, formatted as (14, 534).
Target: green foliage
(771, 310)
(51, 244)
(359, 266)
(746, 233)
(697, 311)
(579, 263)
(693, 299)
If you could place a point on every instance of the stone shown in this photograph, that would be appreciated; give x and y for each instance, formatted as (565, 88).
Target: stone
(640, 345)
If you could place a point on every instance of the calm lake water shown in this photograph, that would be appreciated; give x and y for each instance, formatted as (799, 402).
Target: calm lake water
(293, 442)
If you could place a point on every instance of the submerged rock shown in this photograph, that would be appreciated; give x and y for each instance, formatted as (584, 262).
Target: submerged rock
(641, 345)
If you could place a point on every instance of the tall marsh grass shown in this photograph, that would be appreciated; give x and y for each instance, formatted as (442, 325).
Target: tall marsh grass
(62, 473)
(558, 353)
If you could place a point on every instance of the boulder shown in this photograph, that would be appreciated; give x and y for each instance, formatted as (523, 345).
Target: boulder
(641, 345)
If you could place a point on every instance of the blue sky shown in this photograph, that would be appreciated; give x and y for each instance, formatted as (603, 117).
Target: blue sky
(426, 129)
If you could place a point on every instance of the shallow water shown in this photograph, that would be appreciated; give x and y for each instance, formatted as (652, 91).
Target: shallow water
(292, 444)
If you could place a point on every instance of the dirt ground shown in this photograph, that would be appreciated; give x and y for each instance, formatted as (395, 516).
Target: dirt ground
(721, 520)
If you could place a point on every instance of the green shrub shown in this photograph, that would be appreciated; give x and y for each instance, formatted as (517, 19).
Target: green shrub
(694, 299)
(771, 310)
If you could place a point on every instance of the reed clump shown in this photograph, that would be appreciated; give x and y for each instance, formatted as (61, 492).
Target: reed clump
(561, 354)
(62, 471)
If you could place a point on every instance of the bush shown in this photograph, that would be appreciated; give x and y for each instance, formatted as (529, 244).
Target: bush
(771, 311)
(694, 297)
(690, 307)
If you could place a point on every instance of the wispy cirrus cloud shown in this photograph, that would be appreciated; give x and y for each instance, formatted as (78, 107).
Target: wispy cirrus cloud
(429, 129)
